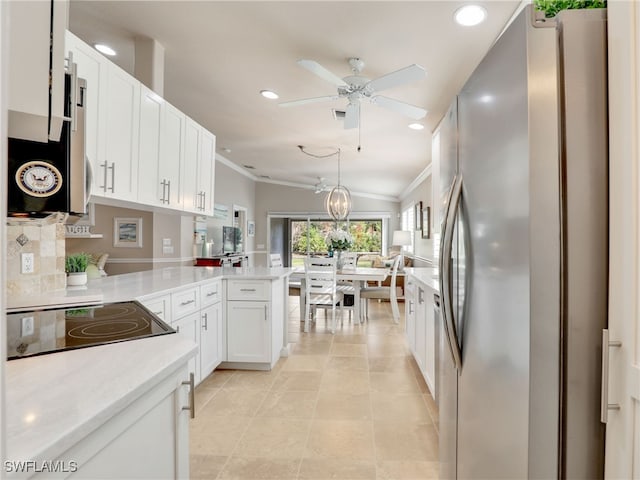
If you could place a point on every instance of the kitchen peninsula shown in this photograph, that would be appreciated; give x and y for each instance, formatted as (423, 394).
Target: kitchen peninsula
(90, 408)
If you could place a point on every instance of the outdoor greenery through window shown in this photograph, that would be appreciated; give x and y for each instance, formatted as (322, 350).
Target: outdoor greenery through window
(309, 237)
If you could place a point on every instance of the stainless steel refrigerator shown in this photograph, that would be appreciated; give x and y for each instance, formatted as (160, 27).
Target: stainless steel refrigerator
(523, 255)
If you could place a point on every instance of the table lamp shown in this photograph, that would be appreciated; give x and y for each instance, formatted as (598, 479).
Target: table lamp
(401, 238)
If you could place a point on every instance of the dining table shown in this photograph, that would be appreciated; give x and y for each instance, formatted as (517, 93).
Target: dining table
(358, 275)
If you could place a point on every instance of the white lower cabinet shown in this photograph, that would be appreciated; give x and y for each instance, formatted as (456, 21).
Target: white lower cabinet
(189, 327)
(254, 321)
(211, 337)
(248, 332)
(420, 329)
(149, 439)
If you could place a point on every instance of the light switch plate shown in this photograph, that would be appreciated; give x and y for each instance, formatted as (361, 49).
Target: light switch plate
(166, 242)
(27, 327)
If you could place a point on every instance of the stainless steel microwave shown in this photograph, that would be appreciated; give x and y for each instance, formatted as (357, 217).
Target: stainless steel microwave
(53, 176)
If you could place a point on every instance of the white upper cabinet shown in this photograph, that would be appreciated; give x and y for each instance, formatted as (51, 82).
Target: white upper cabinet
(162, 129)
(92, 66)
(199, 169)
(172, 143)
(141, 148)
(37, 51)
(149, 188)
(206, 171)
(118, 172)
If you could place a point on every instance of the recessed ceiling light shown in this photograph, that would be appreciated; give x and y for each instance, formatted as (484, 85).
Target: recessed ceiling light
(107, 50)
(470, 15)
(269, 94)
(416, 126)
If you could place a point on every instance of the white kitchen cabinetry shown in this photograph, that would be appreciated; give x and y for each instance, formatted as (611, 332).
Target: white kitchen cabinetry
(149, 149)
(420, 329)
(185, 318)
(37, 59)
(211, 327)
(410, 313)
(254, 321)
(118, 172)
(199, 169)
(160, 306)
(160, 149)
(171, 155)
(149, 439)
(92, 66)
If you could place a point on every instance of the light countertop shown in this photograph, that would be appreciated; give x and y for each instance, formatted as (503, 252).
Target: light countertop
(427, 276)
(128, 286)
(54, 401)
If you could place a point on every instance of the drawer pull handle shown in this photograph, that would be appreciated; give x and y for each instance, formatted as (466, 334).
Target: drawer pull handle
(158, 313)
(205, 325)
(192, 396)
(183, 304)
(211, 294)
(247, 289)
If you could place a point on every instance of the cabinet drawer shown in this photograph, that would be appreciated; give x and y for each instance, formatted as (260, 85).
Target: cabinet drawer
(185, 302)
(160, 306)
(248, 290)
(211, 293)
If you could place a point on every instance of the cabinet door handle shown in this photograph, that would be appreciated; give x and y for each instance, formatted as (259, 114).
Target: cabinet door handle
(164, 186)
(410, 307)
(266, 313)
(605, 406)
(182, 304)
(104, 187)
(192, 395)
(204, 200)
(168, 191)
(113, 177)
(420, 296)
(205, 325)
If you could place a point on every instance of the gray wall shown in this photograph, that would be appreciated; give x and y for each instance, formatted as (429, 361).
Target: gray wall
(422, 193)
(232, 188)
(272, 198)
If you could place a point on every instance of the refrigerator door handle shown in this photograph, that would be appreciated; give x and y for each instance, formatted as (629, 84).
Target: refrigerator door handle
(445, 270)
(605, 406)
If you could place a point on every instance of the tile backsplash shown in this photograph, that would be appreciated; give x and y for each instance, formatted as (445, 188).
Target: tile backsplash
(45, 238)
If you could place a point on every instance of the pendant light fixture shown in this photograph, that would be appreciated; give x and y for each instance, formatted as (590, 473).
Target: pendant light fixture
(338, 201)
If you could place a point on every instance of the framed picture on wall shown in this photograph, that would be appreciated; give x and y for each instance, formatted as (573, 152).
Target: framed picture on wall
(127, 232)
(251, 228)
(418, 215)
(426, 223)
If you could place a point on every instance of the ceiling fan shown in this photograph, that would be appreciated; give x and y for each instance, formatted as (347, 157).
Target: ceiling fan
(321, 186)
(357, 87)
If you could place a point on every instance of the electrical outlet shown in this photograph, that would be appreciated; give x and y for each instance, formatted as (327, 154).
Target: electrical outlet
(167, 250)
(27, 263)
(27, 327)
(166, 242)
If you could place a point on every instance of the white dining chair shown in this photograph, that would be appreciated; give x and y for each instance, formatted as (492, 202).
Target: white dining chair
(348, 287)
(384, 293)
(320, 289)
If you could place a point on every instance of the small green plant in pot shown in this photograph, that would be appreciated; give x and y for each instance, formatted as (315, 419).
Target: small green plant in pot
(76, 267)
(552, 7)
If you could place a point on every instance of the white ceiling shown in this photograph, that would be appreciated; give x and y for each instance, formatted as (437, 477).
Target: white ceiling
(219, 55)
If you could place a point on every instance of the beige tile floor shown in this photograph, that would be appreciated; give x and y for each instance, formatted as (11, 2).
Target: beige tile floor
(346, 406)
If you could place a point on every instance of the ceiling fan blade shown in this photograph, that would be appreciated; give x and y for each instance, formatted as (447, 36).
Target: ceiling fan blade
(352, 116)
(308, 100)
(319, 70)
(407, 109)
(404, 75)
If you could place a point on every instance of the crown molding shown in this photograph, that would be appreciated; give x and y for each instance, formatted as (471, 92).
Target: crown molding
(417, 181)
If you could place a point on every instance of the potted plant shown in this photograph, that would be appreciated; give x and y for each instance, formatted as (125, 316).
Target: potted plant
(76, 267)
(339, 241)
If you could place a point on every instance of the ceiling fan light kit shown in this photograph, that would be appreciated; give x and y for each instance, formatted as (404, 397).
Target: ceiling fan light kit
(356, 88)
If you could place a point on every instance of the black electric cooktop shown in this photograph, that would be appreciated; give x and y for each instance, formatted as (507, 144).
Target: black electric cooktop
(39, 332)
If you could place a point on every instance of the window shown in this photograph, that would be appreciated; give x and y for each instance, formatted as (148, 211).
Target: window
(408, 222)
(308, 237)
